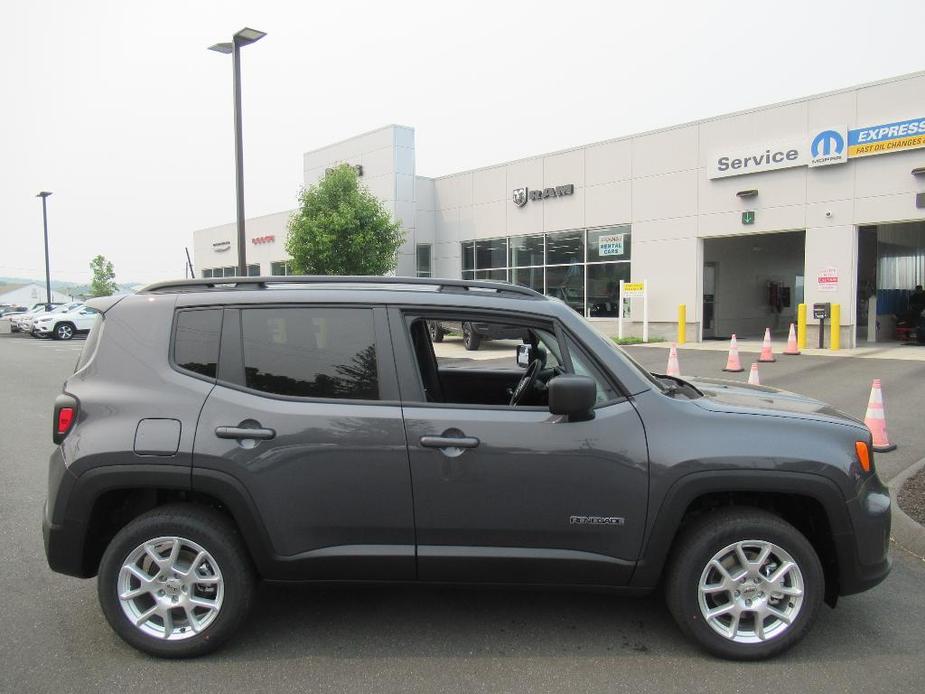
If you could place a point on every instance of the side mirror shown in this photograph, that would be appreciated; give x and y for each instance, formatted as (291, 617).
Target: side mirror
(524, 355)
(573, 396)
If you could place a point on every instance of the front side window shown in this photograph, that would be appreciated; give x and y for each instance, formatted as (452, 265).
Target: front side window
(311, 352)
(196, 340)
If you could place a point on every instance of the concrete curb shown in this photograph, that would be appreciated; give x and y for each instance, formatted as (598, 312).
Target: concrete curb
(906, 532)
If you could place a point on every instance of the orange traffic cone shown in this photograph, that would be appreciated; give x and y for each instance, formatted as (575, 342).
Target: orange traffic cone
(875, 419)
(732, 362)
(792, 348)
(674, 369)
(767, 354)
(753, 375)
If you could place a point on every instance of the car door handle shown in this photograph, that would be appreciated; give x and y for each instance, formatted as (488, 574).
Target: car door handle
(244, 433)
(449, 441)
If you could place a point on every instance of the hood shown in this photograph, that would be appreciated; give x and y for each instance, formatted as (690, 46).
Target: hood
(736, 397)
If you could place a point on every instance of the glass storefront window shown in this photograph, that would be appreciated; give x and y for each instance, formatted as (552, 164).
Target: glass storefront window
(528, 277)
(495, 275)
(565, 247)
(527, 250)
(468, 255)
(612, 243)
(423, 260)
(491, 253)
(604, 288)
(468, 275)
(567, 284)
(280, 267)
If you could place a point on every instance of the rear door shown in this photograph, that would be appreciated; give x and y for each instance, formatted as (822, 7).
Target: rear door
(305, 415)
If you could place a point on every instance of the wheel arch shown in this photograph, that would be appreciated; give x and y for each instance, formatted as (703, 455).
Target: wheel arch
(110, 497)
(812, 503)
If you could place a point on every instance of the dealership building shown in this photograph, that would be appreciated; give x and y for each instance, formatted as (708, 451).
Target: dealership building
(739, 217)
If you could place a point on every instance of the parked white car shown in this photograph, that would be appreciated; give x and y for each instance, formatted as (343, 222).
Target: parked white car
(40, 307)
(63, 325)
(27, 320)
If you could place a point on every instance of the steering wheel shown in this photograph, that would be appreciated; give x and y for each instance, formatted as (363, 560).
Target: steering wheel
(527, 381)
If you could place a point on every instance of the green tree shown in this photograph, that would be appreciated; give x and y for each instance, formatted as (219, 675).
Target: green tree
(103, 282)
(340, 228)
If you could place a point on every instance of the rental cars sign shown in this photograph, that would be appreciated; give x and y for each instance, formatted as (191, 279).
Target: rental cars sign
(822, 147)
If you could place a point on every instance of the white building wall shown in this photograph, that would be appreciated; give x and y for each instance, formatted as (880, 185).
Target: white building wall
(659, 183)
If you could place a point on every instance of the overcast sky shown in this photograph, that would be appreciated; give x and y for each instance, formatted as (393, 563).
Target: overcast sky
(119, 109)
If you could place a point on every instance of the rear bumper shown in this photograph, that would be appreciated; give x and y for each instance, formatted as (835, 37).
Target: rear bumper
(63, 537)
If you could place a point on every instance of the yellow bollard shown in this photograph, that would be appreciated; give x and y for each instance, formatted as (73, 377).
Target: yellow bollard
(801, 326)
(835, 335)
(682, 324)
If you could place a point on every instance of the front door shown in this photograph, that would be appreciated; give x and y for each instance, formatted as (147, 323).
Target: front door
(516, 494)
(305, 418)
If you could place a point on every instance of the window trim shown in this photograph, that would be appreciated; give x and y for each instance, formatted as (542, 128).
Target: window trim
(387, 378)
(173, 343)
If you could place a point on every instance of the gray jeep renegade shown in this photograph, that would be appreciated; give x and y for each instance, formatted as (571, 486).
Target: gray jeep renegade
(307, 428)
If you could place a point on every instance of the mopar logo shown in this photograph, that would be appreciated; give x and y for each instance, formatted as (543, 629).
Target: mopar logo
(827, 141)
(828, 147)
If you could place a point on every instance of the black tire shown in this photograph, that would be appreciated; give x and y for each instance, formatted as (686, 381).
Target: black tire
(436, 332)
(215, 534)
(708, 536)
(471, 339)
(63, 331)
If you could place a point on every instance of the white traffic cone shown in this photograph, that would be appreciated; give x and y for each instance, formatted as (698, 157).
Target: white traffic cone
(753, 375)
(674, 369)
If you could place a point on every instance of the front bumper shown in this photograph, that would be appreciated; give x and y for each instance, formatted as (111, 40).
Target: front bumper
(41, 329)
(864, 554)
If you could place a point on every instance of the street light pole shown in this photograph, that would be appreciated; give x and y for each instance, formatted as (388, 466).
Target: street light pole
(44, 194)
(242, 38)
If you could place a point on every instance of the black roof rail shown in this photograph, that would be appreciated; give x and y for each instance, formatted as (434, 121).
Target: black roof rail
(238, 283)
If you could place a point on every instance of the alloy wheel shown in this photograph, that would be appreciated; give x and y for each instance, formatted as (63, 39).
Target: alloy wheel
(751, 591)
(65, 332)
(170, 588)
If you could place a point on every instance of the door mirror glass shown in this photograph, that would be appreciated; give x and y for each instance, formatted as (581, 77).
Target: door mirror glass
(573, 396)
(525, 355)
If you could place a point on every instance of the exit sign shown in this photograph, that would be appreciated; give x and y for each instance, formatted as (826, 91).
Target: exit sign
(748, 217)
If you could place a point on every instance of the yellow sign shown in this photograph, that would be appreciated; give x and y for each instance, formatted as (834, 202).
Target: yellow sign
(633, 289)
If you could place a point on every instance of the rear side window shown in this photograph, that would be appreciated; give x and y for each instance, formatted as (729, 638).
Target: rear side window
(311, 352)
(196, 340)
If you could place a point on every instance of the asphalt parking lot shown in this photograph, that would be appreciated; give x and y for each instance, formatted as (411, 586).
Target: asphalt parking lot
(53, 637)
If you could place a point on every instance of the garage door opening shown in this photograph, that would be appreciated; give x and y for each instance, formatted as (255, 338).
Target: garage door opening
(751, 283)
(891, 264)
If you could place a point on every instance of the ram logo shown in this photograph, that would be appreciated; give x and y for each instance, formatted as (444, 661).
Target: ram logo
(520, 196)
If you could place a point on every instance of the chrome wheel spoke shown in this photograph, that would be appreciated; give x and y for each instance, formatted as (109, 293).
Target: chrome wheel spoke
(739, 602)
(171, 592)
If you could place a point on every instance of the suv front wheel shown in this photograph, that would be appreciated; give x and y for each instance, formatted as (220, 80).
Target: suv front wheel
(176, 581)
(744, 584)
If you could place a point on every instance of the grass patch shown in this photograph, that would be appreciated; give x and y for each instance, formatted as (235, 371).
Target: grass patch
(635, 340)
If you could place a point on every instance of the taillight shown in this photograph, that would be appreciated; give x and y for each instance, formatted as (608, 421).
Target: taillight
(64, 418)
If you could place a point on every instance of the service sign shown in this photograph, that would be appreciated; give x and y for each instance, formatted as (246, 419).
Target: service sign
(746, 160)
(612, 244)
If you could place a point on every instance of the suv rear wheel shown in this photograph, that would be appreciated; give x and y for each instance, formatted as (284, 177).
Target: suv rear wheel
(176, 581)
(745, 584)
